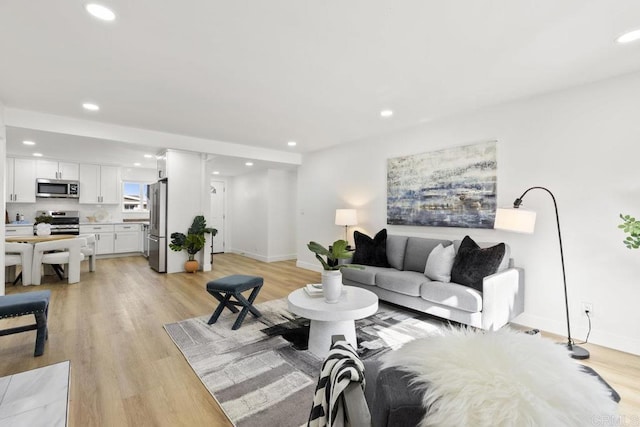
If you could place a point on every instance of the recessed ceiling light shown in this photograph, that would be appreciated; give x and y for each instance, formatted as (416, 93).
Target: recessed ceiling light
(28, 143)
(629, 37)
(137, 164)
(249, 164)
(292, 143)
(386, 113)
(91, 107)
(215, 173)
(37, 154)
(148, 156)
(101, 12)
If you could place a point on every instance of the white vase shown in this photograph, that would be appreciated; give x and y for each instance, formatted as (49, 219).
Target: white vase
(43, 229)
(331, 285)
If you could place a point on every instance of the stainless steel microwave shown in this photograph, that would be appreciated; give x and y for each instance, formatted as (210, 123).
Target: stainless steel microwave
(57, 188)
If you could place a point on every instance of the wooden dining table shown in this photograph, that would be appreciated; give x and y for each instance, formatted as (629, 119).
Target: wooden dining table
(38, 239)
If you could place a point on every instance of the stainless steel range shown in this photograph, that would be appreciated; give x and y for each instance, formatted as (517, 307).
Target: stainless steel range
(63, 222)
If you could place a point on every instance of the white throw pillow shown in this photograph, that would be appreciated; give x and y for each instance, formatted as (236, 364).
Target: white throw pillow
(439, 263)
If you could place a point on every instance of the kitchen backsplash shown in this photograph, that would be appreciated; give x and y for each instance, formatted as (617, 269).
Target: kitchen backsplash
(113, 212)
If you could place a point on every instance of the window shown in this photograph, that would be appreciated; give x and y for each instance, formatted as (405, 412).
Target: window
(134, 197)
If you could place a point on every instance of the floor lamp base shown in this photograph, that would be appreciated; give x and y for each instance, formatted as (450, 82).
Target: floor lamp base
(577, 352)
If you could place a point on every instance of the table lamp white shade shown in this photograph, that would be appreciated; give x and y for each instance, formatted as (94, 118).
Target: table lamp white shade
(346, 217)
(515, 219)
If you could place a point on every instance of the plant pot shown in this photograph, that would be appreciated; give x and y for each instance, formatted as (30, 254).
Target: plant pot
(331, 285)
(191, 266)
(43, 229)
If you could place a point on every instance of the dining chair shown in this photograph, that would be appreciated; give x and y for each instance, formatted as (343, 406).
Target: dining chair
(67, 252)
(18, 254)
(89, 250)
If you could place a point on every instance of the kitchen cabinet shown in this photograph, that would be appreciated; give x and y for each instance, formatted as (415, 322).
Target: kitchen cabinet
(127, 238)
(20, 180)
(161, 162)
(18, 230)
(99, 184)
(53, 169)
(105, 236)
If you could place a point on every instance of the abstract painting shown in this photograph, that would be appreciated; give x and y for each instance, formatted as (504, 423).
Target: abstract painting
(454, 187)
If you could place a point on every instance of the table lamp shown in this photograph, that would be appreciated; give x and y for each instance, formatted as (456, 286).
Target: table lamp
(523, 221)
(346, 217)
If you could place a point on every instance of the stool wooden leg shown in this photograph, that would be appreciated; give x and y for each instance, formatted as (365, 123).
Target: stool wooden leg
(41, 333)
(247, 306)
(224, 302)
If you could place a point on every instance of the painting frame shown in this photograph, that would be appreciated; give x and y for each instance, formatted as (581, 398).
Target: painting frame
(451, 187)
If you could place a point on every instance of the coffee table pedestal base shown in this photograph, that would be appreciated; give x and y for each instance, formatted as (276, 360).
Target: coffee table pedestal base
(320, 333)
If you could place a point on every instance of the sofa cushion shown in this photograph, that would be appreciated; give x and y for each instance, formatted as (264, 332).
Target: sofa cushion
(473, 263)
(417, 252)
(371, 251)
(452, 295)
(439, 263)
(396, 246)
(366, 276)
(402, 282)
(504, 264)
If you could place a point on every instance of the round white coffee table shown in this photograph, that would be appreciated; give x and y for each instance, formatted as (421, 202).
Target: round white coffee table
(332, 319)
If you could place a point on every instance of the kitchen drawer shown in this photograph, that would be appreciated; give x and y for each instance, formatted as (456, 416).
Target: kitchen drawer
(127, 227)
(97, 228)
(24, 230)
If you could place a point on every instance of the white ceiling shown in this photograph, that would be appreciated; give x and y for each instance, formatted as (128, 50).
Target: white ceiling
(261, 73)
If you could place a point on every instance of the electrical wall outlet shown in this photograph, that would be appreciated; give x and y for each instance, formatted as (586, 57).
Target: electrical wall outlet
(587, 307)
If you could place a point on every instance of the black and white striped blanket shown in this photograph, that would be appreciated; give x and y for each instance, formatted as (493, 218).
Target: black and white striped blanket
(341, 367)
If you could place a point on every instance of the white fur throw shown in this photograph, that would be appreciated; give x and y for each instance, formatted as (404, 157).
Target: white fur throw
(502, 378)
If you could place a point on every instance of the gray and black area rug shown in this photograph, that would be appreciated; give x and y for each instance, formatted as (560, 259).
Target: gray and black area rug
(262, 373)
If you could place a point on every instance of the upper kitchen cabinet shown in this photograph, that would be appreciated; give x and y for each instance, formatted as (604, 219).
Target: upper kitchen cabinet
(162, 165)
(20, 180)
(53, 169)
(99, 184)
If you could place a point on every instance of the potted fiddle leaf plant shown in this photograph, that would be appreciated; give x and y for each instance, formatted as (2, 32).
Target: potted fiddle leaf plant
(331, 274)
(192, 242)
(630, 226)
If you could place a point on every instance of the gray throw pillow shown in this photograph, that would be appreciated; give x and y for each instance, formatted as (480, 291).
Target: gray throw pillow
(440, 262)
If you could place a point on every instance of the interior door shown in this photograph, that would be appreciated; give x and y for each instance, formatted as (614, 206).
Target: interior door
(216, 221)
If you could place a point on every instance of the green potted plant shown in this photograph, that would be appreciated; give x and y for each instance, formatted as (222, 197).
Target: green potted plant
(331, 274)
(630, 226)
(43, 224)
(192, 242)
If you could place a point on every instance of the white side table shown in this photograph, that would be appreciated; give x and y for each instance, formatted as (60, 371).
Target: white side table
(332, 319)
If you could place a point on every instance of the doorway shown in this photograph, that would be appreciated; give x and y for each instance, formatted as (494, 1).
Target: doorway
(217, 190)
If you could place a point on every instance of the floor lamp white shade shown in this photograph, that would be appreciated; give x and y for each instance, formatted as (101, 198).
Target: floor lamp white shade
(515, 219)
(346, 217)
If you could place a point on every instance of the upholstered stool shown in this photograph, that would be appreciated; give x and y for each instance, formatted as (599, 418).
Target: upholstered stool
(36, 303)
(232, 286)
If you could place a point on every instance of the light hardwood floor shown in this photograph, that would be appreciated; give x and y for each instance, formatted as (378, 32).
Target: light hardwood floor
(126, 371)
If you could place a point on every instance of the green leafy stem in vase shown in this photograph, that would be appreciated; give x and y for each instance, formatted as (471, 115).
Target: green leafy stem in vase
(630, 226)
(338, 251)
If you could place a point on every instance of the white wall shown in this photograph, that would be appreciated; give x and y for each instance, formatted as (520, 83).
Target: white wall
(581, 143)
(262, 215)
(186, 195)
(248, 214)
(282, 215)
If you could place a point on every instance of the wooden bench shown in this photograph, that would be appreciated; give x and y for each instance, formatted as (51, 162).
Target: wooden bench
(36, 303)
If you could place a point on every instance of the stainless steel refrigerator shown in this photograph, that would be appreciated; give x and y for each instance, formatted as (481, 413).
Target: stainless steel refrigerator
(158, 226)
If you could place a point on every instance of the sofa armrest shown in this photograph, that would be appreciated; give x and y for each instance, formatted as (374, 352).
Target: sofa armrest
(502, 298)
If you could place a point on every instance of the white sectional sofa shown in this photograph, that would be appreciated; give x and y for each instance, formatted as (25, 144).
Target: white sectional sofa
(404, 283)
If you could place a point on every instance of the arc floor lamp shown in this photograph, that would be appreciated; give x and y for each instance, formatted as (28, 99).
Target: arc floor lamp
(523, 221)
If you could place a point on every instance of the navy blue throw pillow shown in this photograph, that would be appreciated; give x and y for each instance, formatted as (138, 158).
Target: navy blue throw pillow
(371, 251)
(473, 263)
